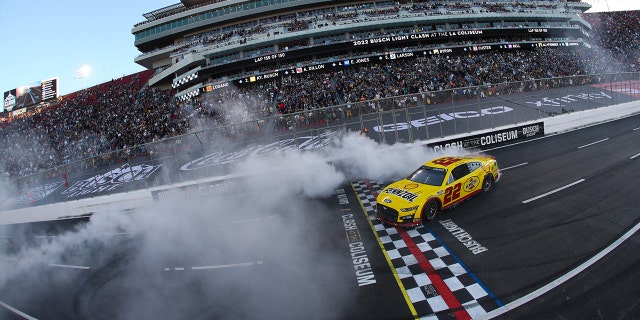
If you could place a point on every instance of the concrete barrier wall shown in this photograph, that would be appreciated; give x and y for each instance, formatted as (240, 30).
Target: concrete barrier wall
(575, 120)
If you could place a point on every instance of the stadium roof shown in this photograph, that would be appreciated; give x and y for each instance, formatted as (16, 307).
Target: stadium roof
(163, 12)
(175, 8)
(194, 3)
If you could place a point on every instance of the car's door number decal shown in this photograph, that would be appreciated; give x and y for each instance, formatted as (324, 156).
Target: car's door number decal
(452, 193)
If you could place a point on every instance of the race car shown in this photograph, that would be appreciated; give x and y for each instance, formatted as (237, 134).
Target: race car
(437, 185)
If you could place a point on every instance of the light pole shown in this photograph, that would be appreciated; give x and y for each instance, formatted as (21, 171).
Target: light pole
(82, 73)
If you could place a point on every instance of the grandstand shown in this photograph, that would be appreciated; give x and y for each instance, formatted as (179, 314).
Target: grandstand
(197, 46)
(214, 64)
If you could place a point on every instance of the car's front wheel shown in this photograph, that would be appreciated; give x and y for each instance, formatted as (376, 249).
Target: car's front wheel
(430, 210)
(488, 183)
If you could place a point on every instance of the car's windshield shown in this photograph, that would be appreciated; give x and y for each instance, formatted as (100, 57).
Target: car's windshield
(428, 175)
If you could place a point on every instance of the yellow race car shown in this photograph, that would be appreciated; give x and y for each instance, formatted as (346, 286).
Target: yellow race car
(437, 185)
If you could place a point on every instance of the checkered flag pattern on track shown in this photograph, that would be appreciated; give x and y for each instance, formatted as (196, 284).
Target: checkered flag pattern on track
(470, 298)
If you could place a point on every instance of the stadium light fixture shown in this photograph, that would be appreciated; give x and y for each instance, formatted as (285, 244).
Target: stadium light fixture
(82, 73)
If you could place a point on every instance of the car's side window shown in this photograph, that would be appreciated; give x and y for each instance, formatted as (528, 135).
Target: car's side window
(459, 172)
(474, 165)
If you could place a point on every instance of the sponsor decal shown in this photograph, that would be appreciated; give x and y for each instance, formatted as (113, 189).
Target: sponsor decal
(491, 139)
(568, 99)
(410, 186)
(464, 237)
(444, 117)
(471, 184)
(409, 196)
(300, 143)
(32, 195)
(111, 180)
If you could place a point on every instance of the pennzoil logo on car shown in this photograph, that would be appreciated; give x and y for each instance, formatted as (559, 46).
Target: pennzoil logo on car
(409, 196)
(471, 184)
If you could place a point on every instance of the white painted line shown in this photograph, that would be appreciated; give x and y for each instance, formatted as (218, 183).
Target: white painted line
(224, 266)
(517, 165)
(68, 266)
(250, 220)
(16, 311)
(592, 143)
(564, 278)
(638, 128)
(633, 157)
(12, 259)
(245, 220)
(553, 191)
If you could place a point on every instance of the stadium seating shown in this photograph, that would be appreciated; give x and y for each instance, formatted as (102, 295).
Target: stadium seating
(125, 112)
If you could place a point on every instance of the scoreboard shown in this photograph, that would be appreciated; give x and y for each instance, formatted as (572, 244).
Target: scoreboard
(49, 89)
(29, 95)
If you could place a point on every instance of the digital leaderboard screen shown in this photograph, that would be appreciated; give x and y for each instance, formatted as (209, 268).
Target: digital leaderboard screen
(49, 89)
(29, 95)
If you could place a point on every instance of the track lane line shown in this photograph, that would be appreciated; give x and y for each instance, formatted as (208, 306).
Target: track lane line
(213, 267)
(553, 191)
(564, 278)
(515, 166)
(635, 156)
(225, 266)
(592, 143)
(69, 266)
(16, 311)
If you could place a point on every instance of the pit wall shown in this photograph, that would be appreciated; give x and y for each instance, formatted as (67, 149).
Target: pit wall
(140, 198)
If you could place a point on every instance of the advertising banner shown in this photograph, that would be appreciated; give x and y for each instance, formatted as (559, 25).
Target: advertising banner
(492, 139)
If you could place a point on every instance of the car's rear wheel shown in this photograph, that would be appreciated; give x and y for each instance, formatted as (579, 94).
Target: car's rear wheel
(488, 183)
(430, 210)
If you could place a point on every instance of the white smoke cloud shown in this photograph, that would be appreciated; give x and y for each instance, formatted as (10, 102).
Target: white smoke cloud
(280, 268)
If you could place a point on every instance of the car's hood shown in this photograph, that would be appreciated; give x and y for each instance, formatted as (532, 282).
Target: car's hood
(406, 193)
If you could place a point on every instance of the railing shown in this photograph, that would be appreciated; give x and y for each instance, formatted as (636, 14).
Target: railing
(423, 116)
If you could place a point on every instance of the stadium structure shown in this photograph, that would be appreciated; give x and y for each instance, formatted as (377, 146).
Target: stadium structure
(197, 46)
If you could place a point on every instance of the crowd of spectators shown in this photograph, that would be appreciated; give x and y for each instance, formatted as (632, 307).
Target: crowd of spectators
(346, 14)
(104, 118)
(303, 95)
(124, 112)
(617, 34)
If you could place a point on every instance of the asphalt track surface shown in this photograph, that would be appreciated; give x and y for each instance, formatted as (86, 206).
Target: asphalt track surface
(561, 200)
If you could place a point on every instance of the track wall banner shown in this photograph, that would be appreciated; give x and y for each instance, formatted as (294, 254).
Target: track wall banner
(491, 139)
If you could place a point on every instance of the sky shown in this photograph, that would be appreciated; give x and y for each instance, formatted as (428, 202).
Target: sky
(57, 38)
(48, 39)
